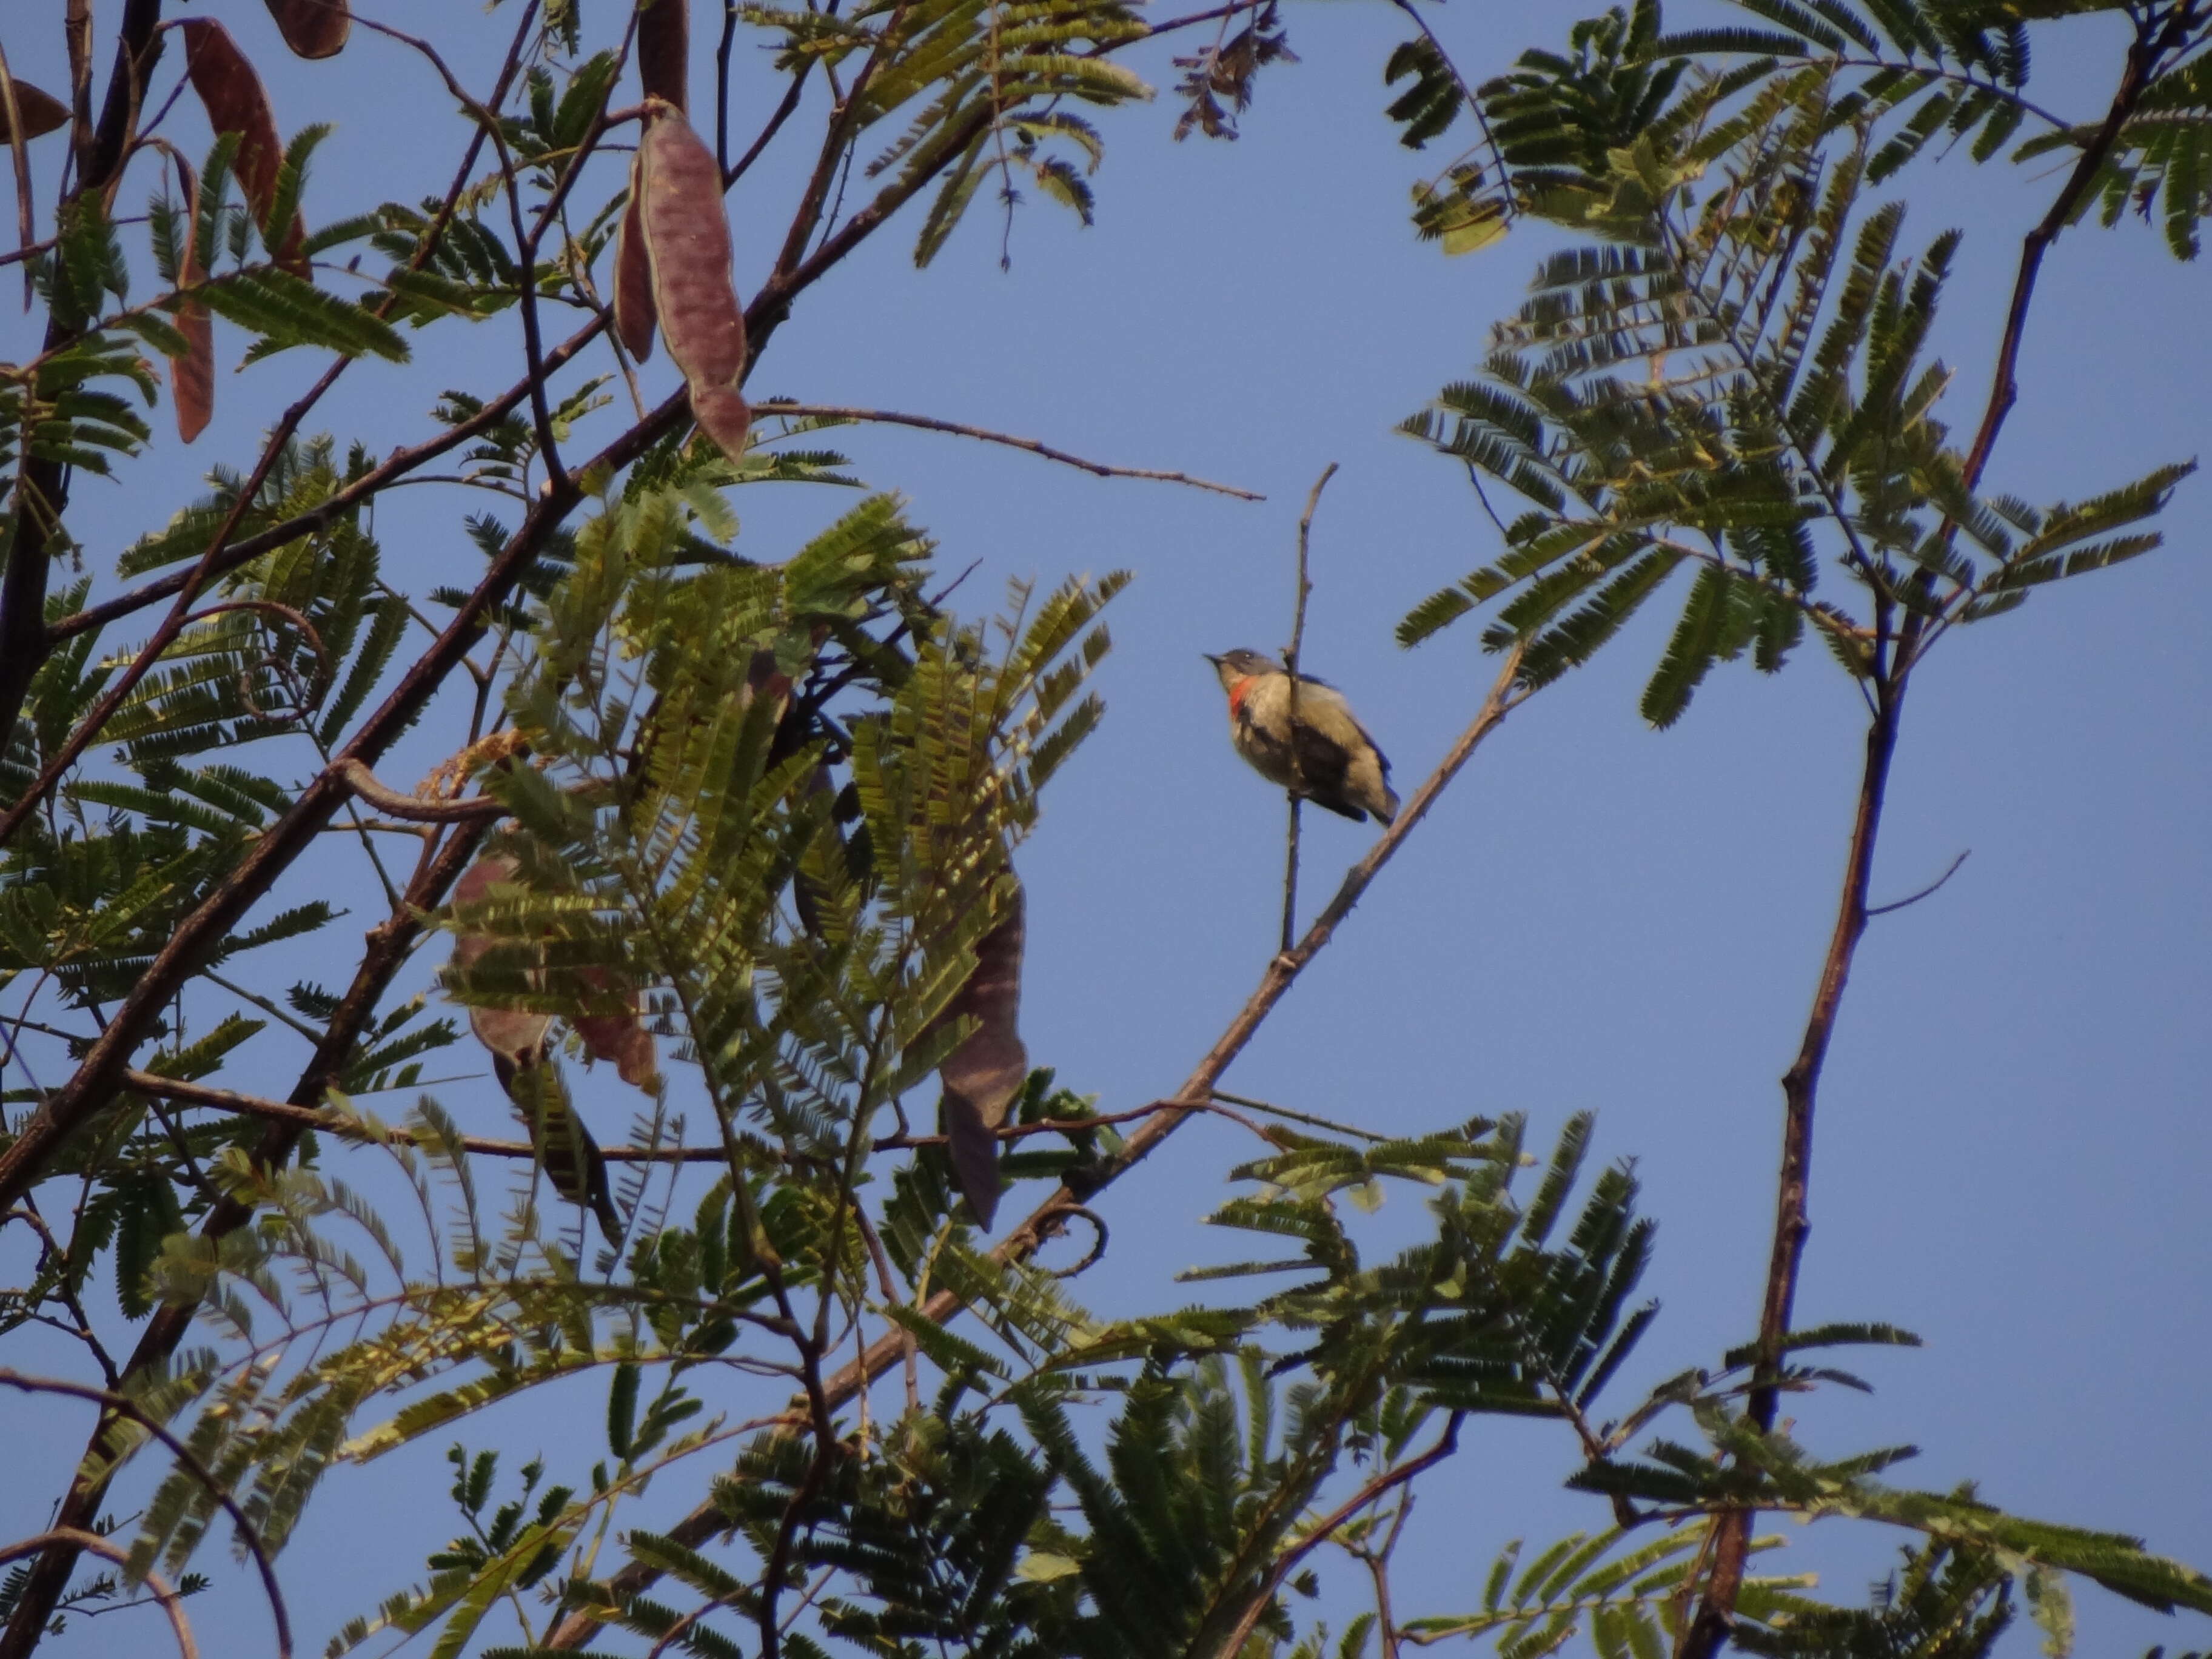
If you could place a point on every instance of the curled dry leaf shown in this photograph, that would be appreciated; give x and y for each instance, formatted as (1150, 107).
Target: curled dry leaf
(622, 1038)
(664, 50)
(678, 186)
(192, 377)
(42, 113)
(235, 102)
(313, 28)
(984, 1074)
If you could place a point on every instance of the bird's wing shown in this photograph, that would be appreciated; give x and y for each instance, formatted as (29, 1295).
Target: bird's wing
(1328, 709)
(1322, 761)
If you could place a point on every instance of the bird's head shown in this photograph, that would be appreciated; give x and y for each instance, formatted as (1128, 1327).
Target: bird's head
(1236, 665)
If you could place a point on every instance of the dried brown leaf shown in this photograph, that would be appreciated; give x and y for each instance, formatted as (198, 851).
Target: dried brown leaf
(687, 237)
(983, 1076)
(622, 1038)
(236, 102)
(664, 50)
(313, 28)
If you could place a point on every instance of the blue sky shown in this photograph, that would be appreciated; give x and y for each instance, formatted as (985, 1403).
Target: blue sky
(2013, 1148)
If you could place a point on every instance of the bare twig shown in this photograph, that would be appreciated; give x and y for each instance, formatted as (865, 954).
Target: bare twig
(328, 1123)
(931, 423)
(414, 809)
(1091, 1257)
(1928, 891)
(1319, 1122)
(1304, 587)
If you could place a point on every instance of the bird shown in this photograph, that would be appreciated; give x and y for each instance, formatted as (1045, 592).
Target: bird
(1334, 764)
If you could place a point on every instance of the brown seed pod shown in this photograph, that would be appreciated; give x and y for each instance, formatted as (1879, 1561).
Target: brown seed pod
(42, 113)
(664, 50)
(235, 102)
(634, 316)
(985, 1073)
(313, 28)
(192, 377)
(679, 196)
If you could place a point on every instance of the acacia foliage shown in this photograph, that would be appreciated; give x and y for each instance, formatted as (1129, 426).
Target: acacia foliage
(740, 819)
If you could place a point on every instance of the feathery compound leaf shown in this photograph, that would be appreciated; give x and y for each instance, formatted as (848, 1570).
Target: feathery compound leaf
(286, 311)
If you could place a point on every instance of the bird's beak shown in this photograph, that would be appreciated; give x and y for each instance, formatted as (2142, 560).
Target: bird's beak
(1211, 658)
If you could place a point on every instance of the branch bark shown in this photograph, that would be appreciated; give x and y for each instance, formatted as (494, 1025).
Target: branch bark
(1303, 590)
(1029, 445)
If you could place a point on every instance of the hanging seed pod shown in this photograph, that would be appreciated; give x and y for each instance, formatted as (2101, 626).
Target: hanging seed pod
(634, 315)
(313, 28)
(235, 102)
(192, 377)
(679, 196)
(985, 1073)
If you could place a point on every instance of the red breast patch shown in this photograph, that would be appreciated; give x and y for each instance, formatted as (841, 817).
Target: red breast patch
(1236, 696)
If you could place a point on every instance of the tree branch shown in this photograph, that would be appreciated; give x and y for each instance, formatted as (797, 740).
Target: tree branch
(931, 423)
(1303, 590)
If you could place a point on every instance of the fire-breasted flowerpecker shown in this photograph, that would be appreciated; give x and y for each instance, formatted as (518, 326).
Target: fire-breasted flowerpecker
(1334, 764)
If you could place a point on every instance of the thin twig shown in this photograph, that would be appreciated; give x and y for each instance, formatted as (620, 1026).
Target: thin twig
(931, 423)
(1467, 95)
(1319, 1122)
(1929, 890)
(328, 1123)
(414, 809)
(1304, 587)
